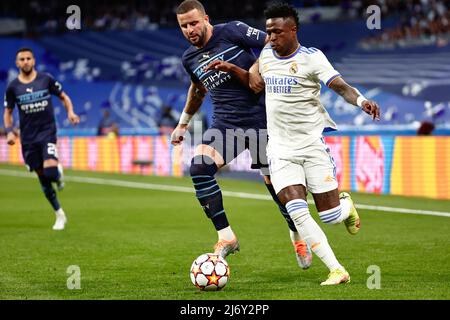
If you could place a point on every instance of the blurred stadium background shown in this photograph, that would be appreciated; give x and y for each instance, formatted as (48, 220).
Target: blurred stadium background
(123, 70)
(125, 62)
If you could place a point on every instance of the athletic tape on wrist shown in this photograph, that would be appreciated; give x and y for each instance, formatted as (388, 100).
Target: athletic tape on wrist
(360, 100)
(185, 118)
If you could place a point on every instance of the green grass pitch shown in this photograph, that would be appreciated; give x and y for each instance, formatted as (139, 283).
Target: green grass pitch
(139, 244)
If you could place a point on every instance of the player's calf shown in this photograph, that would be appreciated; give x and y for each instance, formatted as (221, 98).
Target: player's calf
(51, 173)
(208, 191)
(49, 192)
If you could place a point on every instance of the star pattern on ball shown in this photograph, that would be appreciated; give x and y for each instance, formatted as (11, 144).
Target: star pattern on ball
(213, 279)
(196, 270)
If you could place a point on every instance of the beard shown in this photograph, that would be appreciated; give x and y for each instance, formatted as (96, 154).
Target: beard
(200, 38)
(27, 70)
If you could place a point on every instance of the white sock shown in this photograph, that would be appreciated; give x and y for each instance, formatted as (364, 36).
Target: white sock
(312, 233)
(337, 214)
(226, 234)
(60, 212)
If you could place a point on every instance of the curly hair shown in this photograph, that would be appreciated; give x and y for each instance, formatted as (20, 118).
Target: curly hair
(282, 10)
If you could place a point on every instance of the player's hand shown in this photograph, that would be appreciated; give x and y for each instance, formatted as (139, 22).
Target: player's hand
(372, 108)
(11, 138)
(178, 133)
(220, 66)
(256, 82)
(73, 118)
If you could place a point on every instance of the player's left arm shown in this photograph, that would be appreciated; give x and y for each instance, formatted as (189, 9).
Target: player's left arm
(251, 79)
(241, 74)
(353, 96)
(56, 89)
(67, 103)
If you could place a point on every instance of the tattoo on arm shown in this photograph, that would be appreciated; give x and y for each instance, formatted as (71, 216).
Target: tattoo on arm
(343, 89)
(196, 95)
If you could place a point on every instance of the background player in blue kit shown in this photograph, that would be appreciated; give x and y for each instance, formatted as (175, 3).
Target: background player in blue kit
(31, 91)
(235, 107)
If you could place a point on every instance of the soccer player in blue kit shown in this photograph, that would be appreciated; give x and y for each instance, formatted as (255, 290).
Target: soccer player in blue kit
(31, 91)
(236, 107)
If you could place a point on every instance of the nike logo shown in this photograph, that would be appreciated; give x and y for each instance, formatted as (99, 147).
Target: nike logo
(30, 90)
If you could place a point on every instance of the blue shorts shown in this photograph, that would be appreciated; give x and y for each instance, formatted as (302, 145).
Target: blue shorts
(232, 142)
(34, 154)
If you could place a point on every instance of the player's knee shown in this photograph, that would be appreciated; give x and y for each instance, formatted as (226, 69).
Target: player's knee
(202, 165)
(51, 173)
(331, 216)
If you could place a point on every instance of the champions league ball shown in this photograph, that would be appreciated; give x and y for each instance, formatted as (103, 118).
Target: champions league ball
(210, 272)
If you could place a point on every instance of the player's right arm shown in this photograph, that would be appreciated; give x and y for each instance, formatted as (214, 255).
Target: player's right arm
(196, 95)
(8, 121)
(8, 116)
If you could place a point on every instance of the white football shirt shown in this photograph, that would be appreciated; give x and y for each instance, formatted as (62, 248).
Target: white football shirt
(295, 116)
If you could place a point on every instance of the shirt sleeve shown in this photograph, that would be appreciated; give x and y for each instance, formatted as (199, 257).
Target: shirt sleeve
(55, 87)
(10, 98)
(246, 36)
(323, 68)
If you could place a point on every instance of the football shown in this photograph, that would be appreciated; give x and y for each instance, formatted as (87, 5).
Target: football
(210, 272)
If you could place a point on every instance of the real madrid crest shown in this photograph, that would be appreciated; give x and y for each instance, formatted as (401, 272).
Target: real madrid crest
(293, 69)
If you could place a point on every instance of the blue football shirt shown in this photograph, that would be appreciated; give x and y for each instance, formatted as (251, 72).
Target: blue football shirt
(34, 101)
(235, 105)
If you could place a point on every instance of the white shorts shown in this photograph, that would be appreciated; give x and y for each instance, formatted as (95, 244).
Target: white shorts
(313, 167)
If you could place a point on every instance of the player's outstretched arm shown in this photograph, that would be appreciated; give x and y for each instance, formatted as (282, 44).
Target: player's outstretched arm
(67, 103)
(251, 79)
(8, 121)
(196, 95)
(219, 65)
(353, 96)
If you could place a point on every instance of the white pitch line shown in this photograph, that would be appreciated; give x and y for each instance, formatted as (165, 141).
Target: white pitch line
(243, 195)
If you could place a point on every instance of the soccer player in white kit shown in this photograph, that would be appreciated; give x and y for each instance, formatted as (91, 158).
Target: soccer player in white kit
(299, 159)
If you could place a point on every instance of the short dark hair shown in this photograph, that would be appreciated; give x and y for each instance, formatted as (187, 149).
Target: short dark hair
(24, 49)
(188, 5)
(282, 10)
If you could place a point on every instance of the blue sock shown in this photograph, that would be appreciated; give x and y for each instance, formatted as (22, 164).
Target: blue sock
(282, 208)
(208, 191)
(51, 173)
(49, 192)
